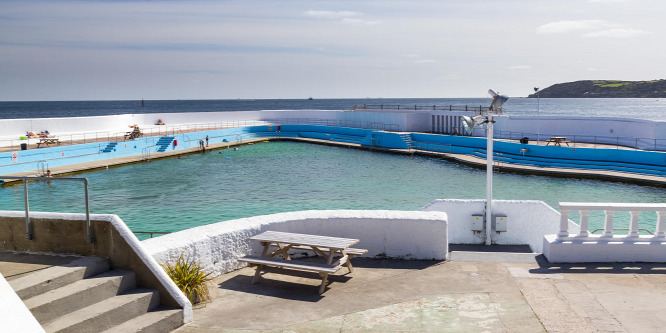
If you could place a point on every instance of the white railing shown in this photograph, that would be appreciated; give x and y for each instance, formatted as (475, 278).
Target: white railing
(609, 210)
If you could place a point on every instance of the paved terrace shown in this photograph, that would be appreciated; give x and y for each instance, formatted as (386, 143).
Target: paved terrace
(480, 289)
(473, 292)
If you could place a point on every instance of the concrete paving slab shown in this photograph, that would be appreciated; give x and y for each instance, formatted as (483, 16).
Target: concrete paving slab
(432, 296)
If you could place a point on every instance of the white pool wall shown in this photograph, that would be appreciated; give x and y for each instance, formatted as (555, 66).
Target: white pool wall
(584, 127)
(404, 120)
(384, 233)
(527, 221)
(15, 128)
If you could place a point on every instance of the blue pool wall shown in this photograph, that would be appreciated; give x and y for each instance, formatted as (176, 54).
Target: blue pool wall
(590, 158)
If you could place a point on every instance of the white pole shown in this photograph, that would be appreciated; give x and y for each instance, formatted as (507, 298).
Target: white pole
(538, 116)
(489, 178)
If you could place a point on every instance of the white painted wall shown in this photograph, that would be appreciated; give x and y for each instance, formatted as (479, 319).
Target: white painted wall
(397, 234)
(528, 221)
(584, 126)
(14, 315)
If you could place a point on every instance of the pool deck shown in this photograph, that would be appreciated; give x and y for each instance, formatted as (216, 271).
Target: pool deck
(479, 289)
(472, 292)
(472, 161)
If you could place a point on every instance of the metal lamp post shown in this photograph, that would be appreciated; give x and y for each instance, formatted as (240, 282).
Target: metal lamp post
(495, 109)
(536, 90)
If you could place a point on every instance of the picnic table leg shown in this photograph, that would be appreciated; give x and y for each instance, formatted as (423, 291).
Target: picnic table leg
(257, 274)
(349, 265)
(324, 276)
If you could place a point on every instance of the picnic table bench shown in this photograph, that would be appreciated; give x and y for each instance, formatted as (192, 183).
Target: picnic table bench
(48, 141)
(557, 141)
(282, 242)
(136, 133)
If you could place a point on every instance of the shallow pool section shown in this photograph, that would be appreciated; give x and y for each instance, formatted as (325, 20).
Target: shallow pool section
(181, 193)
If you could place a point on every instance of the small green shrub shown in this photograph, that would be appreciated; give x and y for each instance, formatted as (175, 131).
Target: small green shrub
(190, 278)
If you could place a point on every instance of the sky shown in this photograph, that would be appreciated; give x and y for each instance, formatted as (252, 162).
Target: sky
(253, 49)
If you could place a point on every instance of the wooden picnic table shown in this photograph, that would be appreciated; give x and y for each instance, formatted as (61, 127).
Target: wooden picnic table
(48, 141)
(278, 243)
(557, 141)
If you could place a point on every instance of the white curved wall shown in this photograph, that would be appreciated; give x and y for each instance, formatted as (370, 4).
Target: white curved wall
(396, 234)
(528, 221)
(15, 315)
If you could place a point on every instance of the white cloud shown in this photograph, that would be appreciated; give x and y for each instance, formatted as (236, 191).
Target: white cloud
(606, 1)
(331, 15)
(569, 26)
(616, 33)
(346, 17)
(355, 21)
(425, 61)
(595, 28)
(520, 67)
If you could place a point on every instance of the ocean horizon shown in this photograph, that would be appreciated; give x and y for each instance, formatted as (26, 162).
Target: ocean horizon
(638, 108)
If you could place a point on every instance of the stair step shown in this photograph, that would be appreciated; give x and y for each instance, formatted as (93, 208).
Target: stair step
(157, 321)
(77, 295)
(106, 314)
(57, 276)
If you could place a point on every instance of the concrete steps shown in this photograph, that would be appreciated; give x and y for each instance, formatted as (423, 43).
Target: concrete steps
(106, 314)
(82, 293)
(85, 296)
(157, 321)
(57, 276)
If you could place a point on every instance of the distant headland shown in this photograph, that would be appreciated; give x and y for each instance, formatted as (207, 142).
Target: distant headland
(605, 89)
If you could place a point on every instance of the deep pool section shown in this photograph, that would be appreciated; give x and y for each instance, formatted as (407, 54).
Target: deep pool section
(180, 193)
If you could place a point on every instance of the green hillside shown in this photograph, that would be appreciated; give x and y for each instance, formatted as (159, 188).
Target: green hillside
(605, 89)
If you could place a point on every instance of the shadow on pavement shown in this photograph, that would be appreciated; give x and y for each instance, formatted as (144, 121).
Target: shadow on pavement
(546, 267)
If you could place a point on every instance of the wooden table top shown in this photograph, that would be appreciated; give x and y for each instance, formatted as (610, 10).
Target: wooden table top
(305, 239)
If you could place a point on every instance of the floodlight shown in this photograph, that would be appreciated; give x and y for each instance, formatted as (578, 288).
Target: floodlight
(498, 100)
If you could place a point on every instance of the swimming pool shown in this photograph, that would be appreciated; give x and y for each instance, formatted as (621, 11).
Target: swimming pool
(180, 193)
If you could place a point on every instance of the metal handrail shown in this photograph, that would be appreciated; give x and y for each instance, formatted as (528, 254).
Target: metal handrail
(28, 233)
(151, 232)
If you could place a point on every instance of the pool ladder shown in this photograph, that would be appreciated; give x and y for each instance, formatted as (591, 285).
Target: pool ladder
(497, 163)
(42, 166)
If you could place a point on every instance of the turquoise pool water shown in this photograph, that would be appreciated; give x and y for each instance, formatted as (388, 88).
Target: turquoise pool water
(181, 193)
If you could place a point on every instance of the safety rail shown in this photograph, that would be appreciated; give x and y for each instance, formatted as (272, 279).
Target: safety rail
(383, 107)
(151, 232)
(609, 210)
(595, 140)
(433, 147)
(28, 229)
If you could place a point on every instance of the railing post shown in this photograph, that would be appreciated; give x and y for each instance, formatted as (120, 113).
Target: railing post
(564, 223)
(91, 238)
(661, 224)
(28, 232)
(608, 223)
(584, 229)
(633, 225)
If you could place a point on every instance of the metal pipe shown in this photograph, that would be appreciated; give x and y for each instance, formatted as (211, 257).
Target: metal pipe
(28, 233)
(89, 235)
(489, 178)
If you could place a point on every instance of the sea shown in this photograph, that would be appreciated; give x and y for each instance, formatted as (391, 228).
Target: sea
(640, 108)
